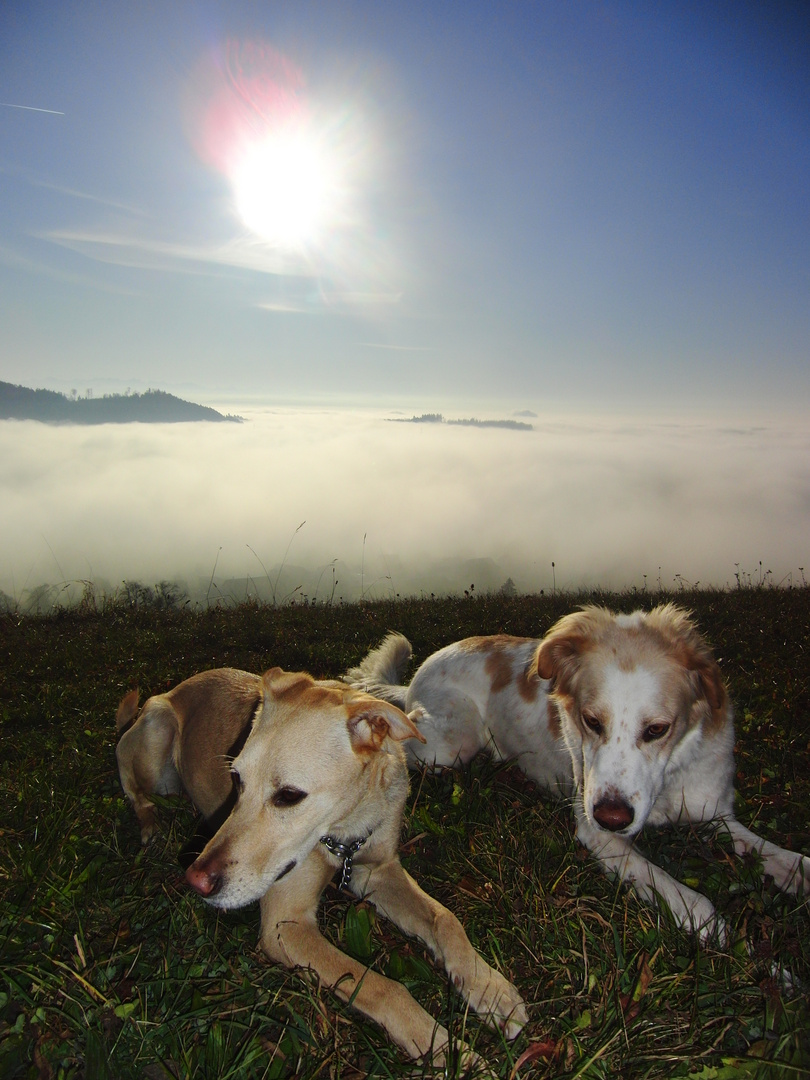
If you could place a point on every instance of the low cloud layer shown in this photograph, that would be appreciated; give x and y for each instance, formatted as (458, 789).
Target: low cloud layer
(399, 508)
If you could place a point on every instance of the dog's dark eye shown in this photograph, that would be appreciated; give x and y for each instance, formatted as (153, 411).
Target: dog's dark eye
(655, 731)
(238, 782)
(593, 723)
(287, 796)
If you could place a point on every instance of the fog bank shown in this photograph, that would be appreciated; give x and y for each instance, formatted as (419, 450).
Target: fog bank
(330, 503)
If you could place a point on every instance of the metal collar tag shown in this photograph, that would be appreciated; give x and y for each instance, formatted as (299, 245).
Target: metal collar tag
(344, 851)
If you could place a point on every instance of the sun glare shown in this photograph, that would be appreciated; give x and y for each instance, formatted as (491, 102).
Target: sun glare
(291, 162)
(284, 189)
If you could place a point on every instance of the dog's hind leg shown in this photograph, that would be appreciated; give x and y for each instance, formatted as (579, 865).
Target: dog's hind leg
(290, 936)
(453, 729)
(145, 760)
(395, 894)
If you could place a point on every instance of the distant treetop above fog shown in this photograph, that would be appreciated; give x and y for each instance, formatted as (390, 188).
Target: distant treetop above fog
(51, 407)
(438, 418)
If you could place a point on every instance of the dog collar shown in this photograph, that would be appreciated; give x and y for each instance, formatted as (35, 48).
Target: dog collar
(345, 851)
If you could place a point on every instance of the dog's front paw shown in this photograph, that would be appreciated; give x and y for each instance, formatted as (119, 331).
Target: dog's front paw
(690, 910)
(442, 1056)
(713, 932)
(495, 999)
(789, 870)
(147, 819)
(700, 918)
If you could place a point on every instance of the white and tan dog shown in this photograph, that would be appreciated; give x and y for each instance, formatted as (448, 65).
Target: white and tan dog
(314, 776)
(626, 714)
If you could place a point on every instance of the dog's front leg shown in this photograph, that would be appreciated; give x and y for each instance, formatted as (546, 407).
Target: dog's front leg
(789, 870)
(617, 855)
(395, 894)
(290, 936)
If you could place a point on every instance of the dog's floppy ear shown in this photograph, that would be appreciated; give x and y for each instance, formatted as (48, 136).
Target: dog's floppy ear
(555, 652)
(281, 683)
(371, 721)
(712, 682)
(694, 653)
(699, 662)
(563, 645)
(559, 652)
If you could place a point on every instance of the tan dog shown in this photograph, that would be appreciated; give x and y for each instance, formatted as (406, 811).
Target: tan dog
(627, 714)
(319, 782)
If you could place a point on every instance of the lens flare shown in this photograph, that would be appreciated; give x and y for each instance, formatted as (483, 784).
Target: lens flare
(252, 123)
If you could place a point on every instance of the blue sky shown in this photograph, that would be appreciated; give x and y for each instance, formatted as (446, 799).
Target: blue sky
(596, 205)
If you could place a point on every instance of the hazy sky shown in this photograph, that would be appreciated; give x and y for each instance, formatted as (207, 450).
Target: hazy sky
(592, 205)
(318, 213)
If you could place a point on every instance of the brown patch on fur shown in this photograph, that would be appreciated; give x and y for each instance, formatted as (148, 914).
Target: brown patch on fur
(489, 642)
(528, 683)
(499, 668)
(498, 663)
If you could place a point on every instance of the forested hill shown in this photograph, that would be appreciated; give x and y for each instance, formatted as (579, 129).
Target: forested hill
(51, 407)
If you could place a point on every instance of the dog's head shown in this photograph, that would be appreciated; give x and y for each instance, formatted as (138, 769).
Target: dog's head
(633, 693)
(315, 762)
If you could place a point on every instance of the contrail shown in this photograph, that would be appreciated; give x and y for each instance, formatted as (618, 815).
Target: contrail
(31, 108)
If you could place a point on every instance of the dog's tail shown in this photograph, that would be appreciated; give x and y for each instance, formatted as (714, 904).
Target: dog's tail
(380, 672)
(127, 712)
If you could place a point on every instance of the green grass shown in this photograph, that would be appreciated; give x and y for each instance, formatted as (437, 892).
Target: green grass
(111, 968)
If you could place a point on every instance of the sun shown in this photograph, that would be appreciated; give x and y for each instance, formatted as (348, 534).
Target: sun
(284, 188)
(290, 160)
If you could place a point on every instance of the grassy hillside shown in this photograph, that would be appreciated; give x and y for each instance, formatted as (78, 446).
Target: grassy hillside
(109, 967)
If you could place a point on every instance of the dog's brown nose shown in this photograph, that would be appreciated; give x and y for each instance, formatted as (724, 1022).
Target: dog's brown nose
(204, 880)
(613, 814)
